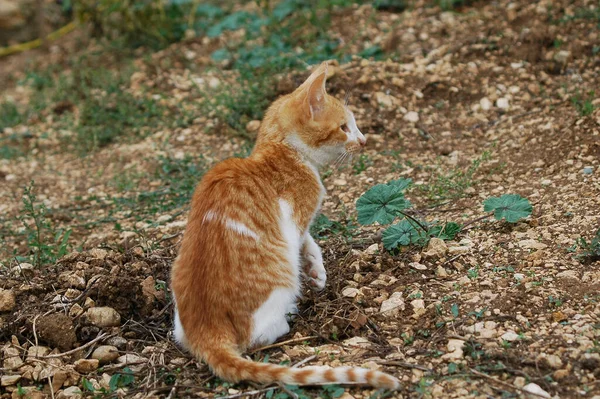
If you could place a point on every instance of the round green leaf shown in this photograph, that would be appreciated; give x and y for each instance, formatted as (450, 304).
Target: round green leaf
(381, 204)
(511, 207)
(403, 233)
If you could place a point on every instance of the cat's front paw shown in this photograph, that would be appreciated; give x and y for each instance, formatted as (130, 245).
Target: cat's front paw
(316, 274)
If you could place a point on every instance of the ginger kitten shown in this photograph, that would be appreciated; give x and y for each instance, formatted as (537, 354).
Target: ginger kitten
(237, 277)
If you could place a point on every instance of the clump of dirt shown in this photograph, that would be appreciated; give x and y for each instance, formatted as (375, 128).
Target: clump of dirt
(57, 330)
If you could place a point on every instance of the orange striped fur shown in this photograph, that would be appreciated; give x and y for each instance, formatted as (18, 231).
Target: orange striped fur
(246, 247)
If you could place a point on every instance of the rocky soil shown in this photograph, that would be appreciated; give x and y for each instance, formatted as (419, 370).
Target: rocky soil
(504, 311)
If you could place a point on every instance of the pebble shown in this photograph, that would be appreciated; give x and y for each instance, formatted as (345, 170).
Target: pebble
(105, 353)
(411, 116)
(372, 249)
(7, 300)
(552, 361)
(385, 100)
(485, 104)
(562, 57)
(502, 103)
(418, 266)
(103, 317)
(459, 250)
(393, 305)
(536, 390)
(441, 272)
(436, 248)
(510, 336)
(8, 380)
(70, 392)
(117, 341)
(455, 349)
(588, 170)
(253, 126)
(85, 366)
(134, 362)
(350, 292)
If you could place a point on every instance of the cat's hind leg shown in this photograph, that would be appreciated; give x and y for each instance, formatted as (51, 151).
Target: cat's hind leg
(270, 321)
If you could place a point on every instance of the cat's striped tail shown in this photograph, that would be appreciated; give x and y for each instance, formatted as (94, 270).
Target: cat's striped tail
(229, 365)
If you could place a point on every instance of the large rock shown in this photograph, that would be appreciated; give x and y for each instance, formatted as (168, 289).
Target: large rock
(103, 317)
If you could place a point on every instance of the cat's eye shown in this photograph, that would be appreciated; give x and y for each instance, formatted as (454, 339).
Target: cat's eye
(344, 127)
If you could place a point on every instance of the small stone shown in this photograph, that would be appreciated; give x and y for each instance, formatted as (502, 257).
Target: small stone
(418, 306)
(588, 170)
(520, 382)
(72, 279)
(12, 357)
(340, 182)
(85, 366)
(99, 253)
(441, 272)
(103, 317)
(531, 244)
(117, 341)
(8, 380)
(502, 103)
(253, 126)
(385, 100)
(485, 104)
(562, 57)
(28, 392)
(418, 266)
(75, 311)
(459, 250)
(552, 361)
(105, 354)
(350, 292)
(372, 249)
(393, 305)
(560, 374)
(23, 269)
(7, 300)
(536, 390)
(510, 336)
(411, 116)
(70, 392)
(134, 362)
(436, 248)
(455, 349)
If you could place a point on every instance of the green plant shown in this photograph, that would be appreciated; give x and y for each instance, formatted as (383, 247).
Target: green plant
(590, 250)
(452, 185)
(385, 203)
(46, 243)
(361, 164)
(584, 106)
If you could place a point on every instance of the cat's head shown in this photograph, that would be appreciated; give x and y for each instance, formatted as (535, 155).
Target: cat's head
(318, 125)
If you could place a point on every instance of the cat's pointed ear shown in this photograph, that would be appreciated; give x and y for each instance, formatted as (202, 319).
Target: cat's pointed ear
(316, 92)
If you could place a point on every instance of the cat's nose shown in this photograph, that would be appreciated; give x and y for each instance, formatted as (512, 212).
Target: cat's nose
(362, 141)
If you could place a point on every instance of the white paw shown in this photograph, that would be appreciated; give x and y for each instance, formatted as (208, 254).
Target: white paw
(316, 274)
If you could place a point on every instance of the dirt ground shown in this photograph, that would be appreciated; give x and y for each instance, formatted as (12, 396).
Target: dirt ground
(501, 311)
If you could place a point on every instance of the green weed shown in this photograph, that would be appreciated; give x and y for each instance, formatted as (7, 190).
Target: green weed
(584, 106)
(590, 250)
(46, 244)
(452, 185)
